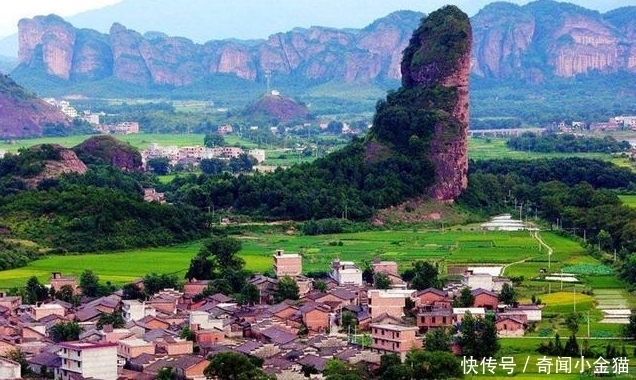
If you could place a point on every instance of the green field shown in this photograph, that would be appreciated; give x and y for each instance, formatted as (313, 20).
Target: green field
(403, 246)
(495, 147)
(628, 199)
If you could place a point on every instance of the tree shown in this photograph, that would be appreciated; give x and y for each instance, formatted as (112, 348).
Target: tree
(34, 292)
(187, 334)
(349, 322)
(433, 365)
(468, 336)
(212, 166)
(287, 289)
(159, 165)
(89, 282)
(381, 280)
(604, 240)
(115, 319)
(166, 373)
(424, 275)
(466, 298)
(201, 268)
(250, 295)
(154, 282)
(224, 250)
(18, 356)
(629, 330)
(572, 321)
(212, 140)
(438, 339)
(391, 368)
(507, 295)
(66, 331)
(338, 370)
(233, 366)
(65, 294)
(132, 291)
(488, 341)
(320, 285)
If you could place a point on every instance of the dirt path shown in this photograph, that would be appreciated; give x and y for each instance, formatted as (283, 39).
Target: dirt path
(535, 234)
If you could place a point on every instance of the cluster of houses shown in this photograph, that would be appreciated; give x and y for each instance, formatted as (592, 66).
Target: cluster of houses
(288, 336)
(613, 124)
(123, 128)
(192, 155)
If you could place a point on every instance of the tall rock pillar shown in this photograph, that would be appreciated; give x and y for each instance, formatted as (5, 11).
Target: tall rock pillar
(437, 61)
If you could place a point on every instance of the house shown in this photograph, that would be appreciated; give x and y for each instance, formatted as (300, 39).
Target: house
(345, 272)
(431, 317)
(361, 315)
(86, 360)
(397, 339)
(44, 361)
(388, 267)
(315, 316)
(509, 326)
(476, 312)
(46, 309)
(485, 298)
(173, 345)
(9, 369)
(131, 348)
(266, 287)
(134, 310)
(432, 296)
(287, 264)
(11, 303)
(202, 320)
(57, 281)
(531, 311)
(193, 287)
(185, 366)
(486, 281)
(390, 301)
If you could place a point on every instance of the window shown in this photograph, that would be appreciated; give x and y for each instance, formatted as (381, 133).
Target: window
(423, 319)
(433, 319)
(397, 334)
(444, 320)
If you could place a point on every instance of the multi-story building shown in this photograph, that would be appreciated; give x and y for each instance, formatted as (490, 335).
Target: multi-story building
(397, 339)
(389, 301)
(346, 272)
(87, 360)
(134, 310)
(57, 281)
(287, 264)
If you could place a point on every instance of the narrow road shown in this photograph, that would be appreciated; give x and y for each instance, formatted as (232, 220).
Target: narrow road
(535, 234)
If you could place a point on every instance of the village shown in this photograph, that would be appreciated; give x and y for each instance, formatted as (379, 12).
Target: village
(288, 336)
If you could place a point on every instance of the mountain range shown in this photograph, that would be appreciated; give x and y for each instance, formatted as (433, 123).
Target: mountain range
(534, 42)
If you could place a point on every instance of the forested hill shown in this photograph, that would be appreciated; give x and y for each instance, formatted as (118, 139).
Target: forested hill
(416, 147)
(50, 197)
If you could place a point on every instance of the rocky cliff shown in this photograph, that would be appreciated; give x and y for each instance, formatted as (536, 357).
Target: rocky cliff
(23, 114)
(317, 54)
(538, 40)
(427, 118)
(545, 38)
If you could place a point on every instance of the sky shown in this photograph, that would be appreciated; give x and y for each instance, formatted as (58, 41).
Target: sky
(347, 13)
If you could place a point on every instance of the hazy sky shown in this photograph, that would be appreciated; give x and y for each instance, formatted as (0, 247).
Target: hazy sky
(333, 13)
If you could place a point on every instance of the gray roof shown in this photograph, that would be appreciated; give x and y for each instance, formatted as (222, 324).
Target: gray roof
(278, 336)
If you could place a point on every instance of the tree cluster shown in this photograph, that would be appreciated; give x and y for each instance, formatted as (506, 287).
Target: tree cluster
(566, 143)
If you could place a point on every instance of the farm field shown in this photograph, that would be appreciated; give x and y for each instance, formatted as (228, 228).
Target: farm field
(403, 246)
(628, 199)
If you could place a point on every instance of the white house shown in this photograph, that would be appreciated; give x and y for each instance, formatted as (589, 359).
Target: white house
(87, 360)
(345, 272)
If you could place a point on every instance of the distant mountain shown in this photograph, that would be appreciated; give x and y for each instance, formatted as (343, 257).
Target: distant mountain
(534, 42)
